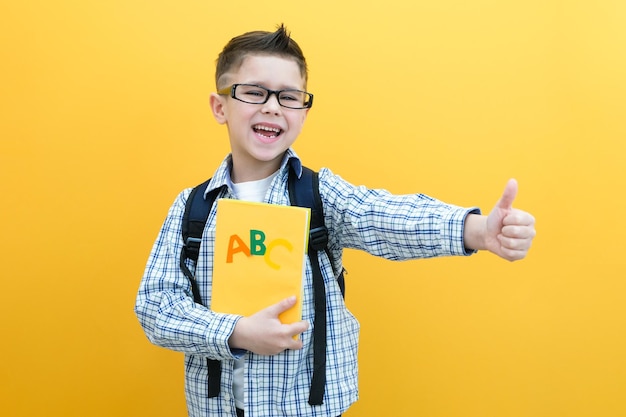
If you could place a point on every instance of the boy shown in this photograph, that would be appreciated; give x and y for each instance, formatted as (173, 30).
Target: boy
(261, 98)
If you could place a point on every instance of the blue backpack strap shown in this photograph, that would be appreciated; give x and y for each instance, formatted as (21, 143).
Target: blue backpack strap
(197, 209)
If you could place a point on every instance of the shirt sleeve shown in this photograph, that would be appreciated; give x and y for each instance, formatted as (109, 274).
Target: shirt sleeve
(395, 227)
(165, 306)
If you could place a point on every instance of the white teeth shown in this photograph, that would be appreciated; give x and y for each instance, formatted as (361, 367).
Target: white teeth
(267, 128)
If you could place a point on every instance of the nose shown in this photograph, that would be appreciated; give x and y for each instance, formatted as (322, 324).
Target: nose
(271, 105)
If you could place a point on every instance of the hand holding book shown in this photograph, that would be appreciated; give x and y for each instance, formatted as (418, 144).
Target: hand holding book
(264, 334)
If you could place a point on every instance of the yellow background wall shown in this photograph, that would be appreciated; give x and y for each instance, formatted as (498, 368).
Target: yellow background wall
(104, 117)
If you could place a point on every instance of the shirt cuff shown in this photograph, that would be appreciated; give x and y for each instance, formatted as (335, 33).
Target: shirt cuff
(218, 333)
(452, 232)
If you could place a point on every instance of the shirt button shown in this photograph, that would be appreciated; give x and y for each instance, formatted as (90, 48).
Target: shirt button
(227, 397)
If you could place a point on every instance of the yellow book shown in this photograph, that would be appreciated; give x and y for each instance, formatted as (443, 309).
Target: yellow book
(260, 257)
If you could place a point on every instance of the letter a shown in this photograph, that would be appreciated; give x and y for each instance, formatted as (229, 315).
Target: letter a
(232, 249)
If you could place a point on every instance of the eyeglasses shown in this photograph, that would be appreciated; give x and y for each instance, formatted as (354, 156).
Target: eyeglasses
(255, 94)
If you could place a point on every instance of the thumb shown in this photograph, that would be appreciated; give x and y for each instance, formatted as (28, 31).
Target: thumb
(281, 306)
(510, 191)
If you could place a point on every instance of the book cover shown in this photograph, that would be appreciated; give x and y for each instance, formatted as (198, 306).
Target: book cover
(260, 257)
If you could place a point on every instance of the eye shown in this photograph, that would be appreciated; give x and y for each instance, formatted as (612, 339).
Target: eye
(291, 96)
(254, 93)
(251, 91)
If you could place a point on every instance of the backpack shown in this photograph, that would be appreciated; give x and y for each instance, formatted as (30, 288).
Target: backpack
(303, 192)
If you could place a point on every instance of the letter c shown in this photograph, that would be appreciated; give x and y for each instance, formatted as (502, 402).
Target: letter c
(271, 246)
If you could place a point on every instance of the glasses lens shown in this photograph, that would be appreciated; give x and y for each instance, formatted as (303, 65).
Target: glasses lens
(293, 99)
(251, 93)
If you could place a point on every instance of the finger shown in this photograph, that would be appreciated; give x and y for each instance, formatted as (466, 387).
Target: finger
(519, 232)
(513, 249)
(293, 331)
(281, 306)
(512, 254)
(514, 243)
(510, 191)
(518, 217)
(519, 224)
(296, 328)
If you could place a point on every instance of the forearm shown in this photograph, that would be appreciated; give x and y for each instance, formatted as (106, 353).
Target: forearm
(395, 227)
(164, 305)
(172, 320)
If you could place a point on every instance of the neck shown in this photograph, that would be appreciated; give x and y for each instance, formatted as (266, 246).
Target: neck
(244, 172)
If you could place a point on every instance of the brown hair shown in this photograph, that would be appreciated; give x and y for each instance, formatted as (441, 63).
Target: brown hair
(277, 43)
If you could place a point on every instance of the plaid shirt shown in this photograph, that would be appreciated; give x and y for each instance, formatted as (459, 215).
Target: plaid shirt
(390, 226)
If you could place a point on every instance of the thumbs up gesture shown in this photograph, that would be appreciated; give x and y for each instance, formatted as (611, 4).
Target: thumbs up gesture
(506, 232)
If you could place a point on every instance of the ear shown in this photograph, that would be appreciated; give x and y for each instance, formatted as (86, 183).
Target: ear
(217, 107)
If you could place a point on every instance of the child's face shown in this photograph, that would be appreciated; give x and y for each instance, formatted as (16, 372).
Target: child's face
(257, 146)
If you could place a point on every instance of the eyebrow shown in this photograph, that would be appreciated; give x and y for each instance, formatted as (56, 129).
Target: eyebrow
(282, 87)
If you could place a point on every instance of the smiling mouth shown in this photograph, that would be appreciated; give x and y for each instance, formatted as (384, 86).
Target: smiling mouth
(268, 132)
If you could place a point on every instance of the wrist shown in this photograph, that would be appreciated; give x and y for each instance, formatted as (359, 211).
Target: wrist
(475, 232)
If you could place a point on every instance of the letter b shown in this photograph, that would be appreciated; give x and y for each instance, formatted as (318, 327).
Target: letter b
(257, 239)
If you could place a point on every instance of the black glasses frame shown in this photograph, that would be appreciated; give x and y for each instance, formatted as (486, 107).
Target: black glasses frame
(233, 88)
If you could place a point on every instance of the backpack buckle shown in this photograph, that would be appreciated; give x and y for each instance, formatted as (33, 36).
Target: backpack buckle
(318, 238)
(192, 248)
